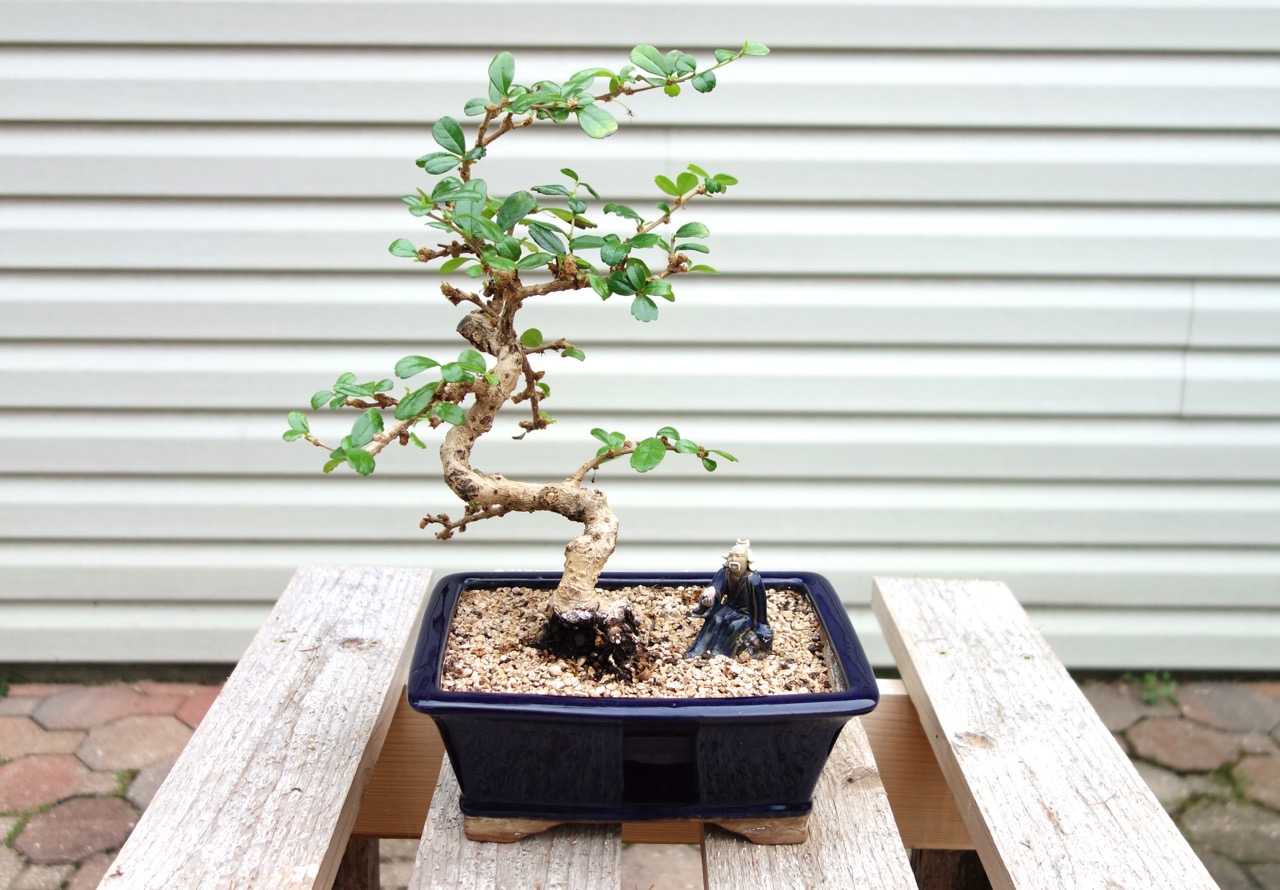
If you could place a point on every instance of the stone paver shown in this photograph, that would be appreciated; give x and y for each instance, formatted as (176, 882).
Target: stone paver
(1229, 706)
(1261, 779)
(38, 690)
(1115, 703)
(1183, 745)
(89, 876)
(147, 782)
(90, 706)
(20, 736)
(1242, 832)
(11, 865)
(1173, 790)
(197, 705)
(134, 742)
(1267, 876)
(43, 877)
(76, 829)
(1227, 874)
(17, 707)
(39, 780)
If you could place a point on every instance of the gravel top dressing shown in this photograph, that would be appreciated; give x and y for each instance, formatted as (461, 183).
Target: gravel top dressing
(488, 649)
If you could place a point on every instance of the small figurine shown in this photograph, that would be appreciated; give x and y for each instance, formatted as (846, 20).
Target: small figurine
(733, 610)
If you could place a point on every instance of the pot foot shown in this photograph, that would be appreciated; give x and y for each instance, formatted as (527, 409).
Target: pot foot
(788, 830)
(503, 831)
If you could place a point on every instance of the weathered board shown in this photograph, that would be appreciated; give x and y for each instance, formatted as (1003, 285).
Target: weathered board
(852, 839)
(266, 792)
(1049, 798)
(570, 857)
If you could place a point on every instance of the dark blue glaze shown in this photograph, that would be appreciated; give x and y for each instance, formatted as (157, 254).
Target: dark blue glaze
(573, 757)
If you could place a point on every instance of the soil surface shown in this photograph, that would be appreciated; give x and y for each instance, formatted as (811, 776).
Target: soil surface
(489, 649)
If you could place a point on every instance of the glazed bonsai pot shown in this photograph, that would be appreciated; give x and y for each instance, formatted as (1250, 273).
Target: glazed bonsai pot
(557, 758)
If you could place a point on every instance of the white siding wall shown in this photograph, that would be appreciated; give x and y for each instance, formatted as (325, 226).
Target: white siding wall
(1001, 298)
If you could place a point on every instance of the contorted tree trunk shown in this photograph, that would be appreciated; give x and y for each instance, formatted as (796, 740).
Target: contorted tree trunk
(580, 621)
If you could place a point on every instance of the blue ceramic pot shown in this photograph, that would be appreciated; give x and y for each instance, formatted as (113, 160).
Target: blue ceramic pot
(572, 758)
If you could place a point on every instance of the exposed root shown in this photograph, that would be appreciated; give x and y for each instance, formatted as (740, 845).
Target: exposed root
(605, 640)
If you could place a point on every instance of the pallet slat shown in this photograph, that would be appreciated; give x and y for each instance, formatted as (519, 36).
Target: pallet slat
(1048, 797)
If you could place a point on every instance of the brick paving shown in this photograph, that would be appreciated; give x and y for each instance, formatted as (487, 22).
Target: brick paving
(79, 763)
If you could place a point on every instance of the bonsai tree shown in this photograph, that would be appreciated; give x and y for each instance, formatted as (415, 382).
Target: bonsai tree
(543, 233)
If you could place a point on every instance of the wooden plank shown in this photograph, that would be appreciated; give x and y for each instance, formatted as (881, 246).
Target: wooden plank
(563, 858)
(863, 24)
(1048, 796)
(852, 841)
(266, 792)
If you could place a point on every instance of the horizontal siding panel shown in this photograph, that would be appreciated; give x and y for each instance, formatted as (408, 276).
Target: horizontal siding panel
(1250, 26)
(1236, 314)
(1222, 579)
(659, 511)
(97, 444)
(849, 165)
(870, 90)
(1233, 385)
(706, 381)
(863, 241)
(356, 309)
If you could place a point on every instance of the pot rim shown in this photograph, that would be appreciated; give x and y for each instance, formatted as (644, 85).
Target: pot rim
(859, 695)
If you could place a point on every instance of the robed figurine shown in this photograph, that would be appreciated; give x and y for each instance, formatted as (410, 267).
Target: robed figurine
(733, 610)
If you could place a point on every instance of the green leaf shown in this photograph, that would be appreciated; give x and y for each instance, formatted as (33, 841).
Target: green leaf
(475, 106)
(668, 432)
(646, 240)
(687, 446)
(531, 338)
(414, 364)
(574, 352)
(320, 398)
(704, 82)
(577, 205)
(455, 373)
(726, 455)
(450, 413)
(659, 287)
(686, 182)
(624, 211)
(637, 274)
(672, 89)
(448, 135)
(725, 179)
(453, 264)
(499, 262)
(298, 422)
(754, 49)
(613, 251)
(413, 437)
(416, 402)
(569, 173)
(648, 454)
(694, 246)
(514, 209)
(553, 189)
(491, 378)
(667, 186)
(702, 268)
(587, 242)
(533, 260)
(619, 284)
(439, 162)
(708, 464)
(600, 286)
(650, 59)
(361, 461)
(293, 435)
(601, 435)
(501, 72)
(596, 122)
(403, 247)
(547, 238)
(472, 361)
(693, 230)
(643, 308)
(332, 465)
(366, 427)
